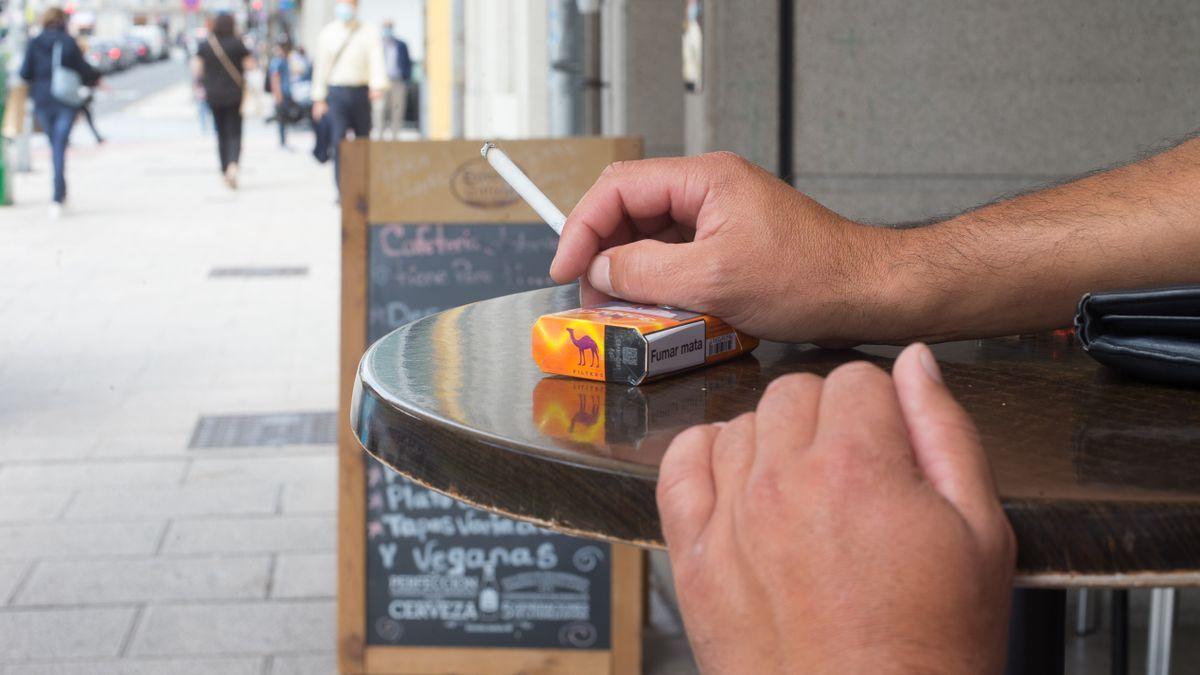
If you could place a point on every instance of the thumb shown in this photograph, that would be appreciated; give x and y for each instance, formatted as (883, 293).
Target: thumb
(653, 272)
(943, 437)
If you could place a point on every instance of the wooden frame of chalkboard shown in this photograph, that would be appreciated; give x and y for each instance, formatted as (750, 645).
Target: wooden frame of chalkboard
(438, 184)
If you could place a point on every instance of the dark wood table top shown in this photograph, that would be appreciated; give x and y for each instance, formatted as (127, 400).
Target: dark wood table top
(1100, 475)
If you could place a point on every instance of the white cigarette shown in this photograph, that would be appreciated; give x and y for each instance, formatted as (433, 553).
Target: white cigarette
(518, 181)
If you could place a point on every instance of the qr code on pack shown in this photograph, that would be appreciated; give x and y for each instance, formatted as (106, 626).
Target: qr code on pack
(629, 356)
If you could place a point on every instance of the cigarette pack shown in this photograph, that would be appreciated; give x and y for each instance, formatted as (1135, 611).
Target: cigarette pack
(627, 343)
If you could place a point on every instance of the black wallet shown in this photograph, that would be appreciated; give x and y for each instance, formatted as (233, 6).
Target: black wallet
(1151, 333)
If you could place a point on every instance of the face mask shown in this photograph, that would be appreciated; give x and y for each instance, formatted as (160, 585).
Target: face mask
(387, 32)
(344, 12)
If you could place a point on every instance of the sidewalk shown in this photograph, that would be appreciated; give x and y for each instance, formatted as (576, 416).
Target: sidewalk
(121, 549)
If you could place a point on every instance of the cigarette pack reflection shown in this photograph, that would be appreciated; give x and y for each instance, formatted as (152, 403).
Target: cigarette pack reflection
(570, 409)
(630, 422)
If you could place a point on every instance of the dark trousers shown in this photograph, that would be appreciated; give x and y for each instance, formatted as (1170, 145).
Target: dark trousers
(56, 120)
(349, 109)
(281, 110)
(86, 111)
(228, 122)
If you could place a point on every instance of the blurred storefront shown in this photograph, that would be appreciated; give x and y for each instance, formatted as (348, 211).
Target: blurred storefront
(807, 89)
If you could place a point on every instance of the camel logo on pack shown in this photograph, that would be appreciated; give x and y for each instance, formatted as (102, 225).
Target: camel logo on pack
(587, 347)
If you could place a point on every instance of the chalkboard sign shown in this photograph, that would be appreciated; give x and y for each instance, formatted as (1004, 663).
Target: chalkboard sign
(428, 583)
(440, 573)
(419, 269)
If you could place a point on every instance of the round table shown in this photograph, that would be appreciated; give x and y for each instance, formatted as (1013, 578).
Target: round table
(1100, 475)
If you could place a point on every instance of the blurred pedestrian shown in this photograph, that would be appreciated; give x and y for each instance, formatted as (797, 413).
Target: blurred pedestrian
(348, 74)
(301, 64)
(389, 111)
(55, 107)
(221, 63)
(279, 80)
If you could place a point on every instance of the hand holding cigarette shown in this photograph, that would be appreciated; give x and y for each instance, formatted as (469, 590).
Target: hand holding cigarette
(719, 235)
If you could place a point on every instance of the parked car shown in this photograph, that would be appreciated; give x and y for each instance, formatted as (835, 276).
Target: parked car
(155, 39)
(104, 55)
(139, 49)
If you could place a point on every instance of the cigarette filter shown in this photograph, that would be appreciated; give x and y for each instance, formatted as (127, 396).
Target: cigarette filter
(620, 342)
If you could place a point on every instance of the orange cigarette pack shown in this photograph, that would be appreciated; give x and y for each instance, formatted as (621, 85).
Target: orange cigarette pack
(626, 343)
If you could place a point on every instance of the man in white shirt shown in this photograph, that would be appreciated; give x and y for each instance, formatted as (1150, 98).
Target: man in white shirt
(348, 75)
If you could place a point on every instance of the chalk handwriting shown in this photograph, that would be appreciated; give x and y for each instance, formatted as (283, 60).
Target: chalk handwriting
(458, 559)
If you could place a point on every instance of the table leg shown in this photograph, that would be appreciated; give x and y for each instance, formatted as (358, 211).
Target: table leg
(1119, 661)
(1087, 611)
(1037, 632)
(1162, 621)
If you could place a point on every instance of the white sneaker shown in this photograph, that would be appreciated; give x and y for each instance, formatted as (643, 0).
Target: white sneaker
(56, 211)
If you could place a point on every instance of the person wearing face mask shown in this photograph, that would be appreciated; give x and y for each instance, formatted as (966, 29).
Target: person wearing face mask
(389, 112)
(348, 75)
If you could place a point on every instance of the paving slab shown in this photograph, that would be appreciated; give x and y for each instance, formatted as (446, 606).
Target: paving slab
(292, 468)
(10, 576)
(188, 666)
(251, 534)
(59, 475)
(311, 496)
(90, 581)
(25, 447)
(316, 664)
(142, 444)
(235, 628)
(64, 539)
(305, 575)
(166, 502)
(22, 506)
(63, 633)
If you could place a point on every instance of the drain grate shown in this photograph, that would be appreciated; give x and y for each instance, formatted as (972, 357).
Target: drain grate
(219, 272)
(232, 431)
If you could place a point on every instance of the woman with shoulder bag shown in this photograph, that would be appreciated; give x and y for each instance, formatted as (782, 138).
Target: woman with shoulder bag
(221, 63)
(55, 69)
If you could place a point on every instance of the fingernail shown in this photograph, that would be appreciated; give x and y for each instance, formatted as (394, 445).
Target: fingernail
(929, 363)
(719, 425)
(598, 275)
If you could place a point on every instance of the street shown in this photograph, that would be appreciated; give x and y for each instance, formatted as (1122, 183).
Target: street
(138, 324)
(130, 86)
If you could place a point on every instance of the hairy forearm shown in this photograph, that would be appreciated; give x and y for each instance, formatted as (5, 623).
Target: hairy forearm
(1022, 264)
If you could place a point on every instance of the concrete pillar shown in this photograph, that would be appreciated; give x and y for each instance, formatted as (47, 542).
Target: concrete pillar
(650, 95)
(507, 63)
(737, 108)
(906, 111)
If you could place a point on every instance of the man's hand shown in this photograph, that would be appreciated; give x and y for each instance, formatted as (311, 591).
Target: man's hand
(850, 525)
(717, 234)
(720, 235)
(319, 109)
(376, 94)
